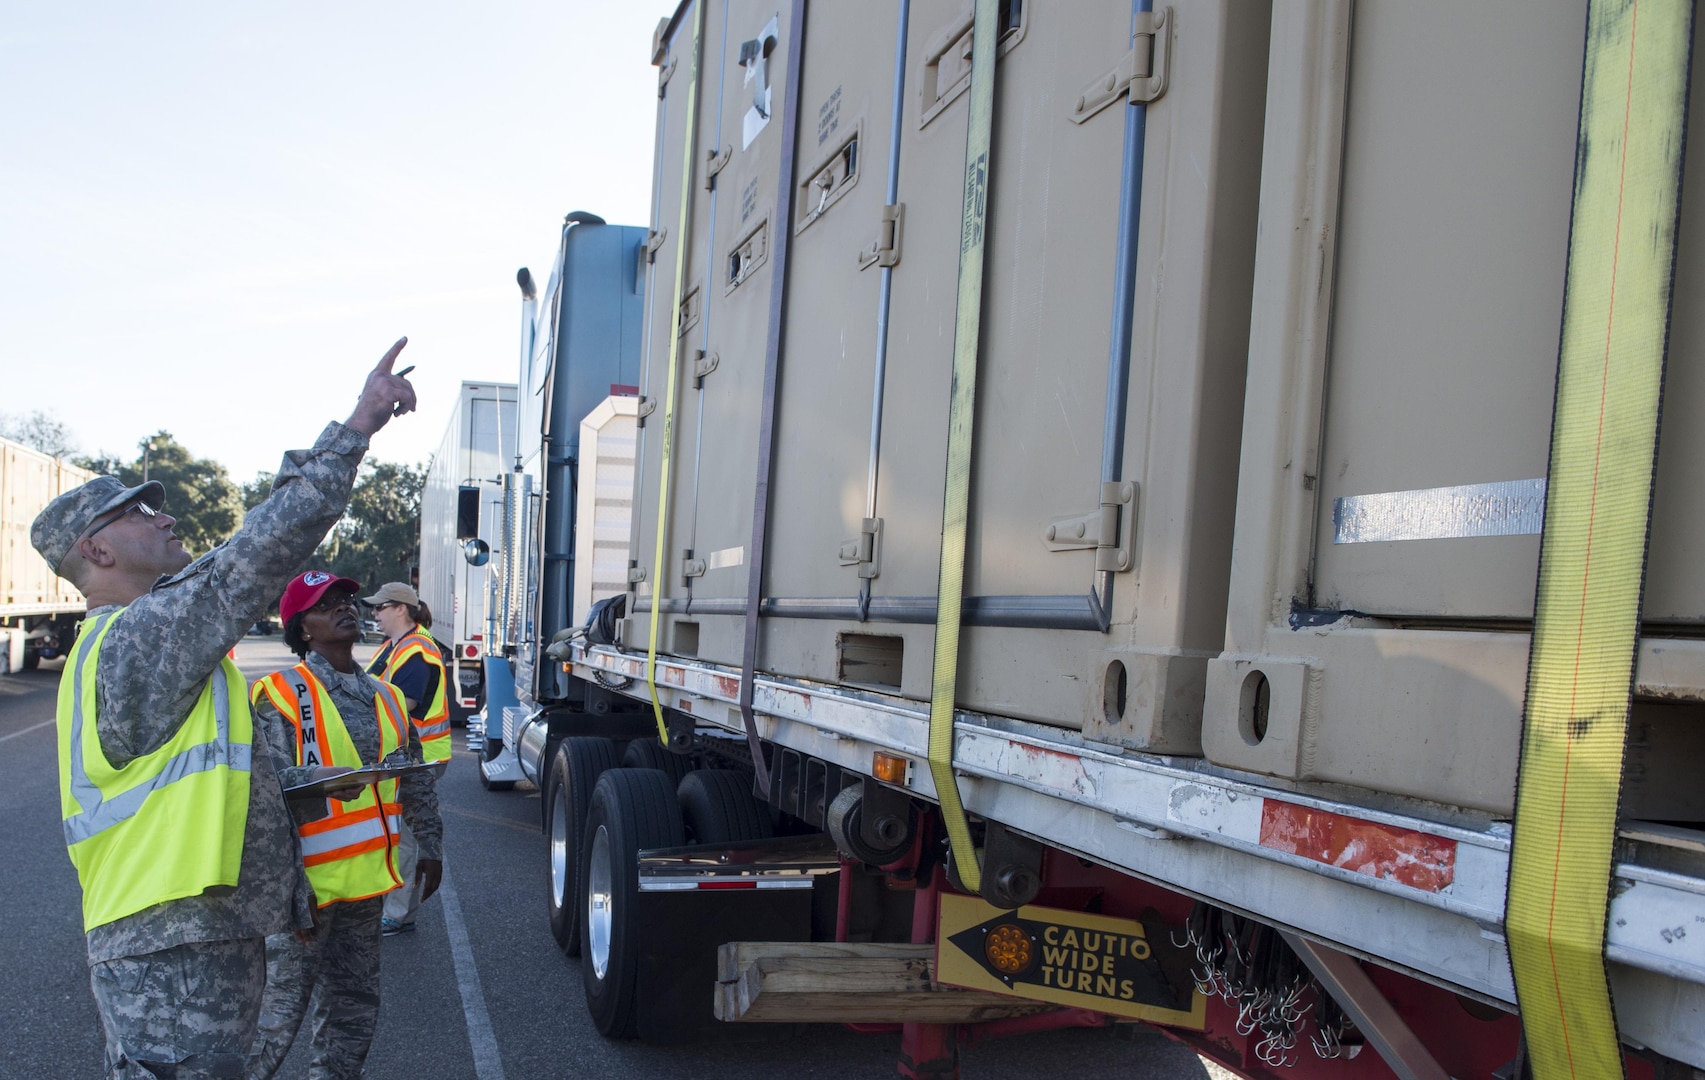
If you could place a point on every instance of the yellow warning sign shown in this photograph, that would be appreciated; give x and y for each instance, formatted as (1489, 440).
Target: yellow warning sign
(1115, 966)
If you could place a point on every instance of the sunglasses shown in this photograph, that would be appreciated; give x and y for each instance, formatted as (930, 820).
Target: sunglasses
(332, 603)
(142, 508)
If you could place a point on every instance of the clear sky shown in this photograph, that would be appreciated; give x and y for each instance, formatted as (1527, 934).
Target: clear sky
(215, 217)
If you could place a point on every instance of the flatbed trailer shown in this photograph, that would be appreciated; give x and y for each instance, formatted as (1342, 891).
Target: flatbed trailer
(1090, 473)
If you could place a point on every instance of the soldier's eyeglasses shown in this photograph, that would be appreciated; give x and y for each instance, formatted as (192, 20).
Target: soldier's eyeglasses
(142, 508)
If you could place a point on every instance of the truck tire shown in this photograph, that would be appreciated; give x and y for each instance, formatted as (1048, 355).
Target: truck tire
(650, 754)
(32, 659)
(575, 767)
(631, 809)
(717, 807)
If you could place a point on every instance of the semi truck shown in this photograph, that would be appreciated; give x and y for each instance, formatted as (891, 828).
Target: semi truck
(562, 511)
(38, 610)
(462, 500)
(1101, 474)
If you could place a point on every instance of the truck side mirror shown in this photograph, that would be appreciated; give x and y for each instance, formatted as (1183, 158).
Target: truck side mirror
(467, 512)
(477, 552)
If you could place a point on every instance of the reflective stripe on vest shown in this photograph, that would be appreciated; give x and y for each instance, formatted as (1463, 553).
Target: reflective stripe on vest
(350, 853)
(434, 722)
(174, 828)
(363, 831)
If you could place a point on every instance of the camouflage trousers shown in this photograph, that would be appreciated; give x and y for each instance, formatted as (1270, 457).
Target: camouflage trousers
(188, 1011)
(338, 974)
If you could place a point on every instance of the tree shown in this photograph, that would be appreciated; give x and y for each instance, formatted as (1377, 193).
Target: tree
(199, 492)
(379, 537)
(256, 490)
(40, 431)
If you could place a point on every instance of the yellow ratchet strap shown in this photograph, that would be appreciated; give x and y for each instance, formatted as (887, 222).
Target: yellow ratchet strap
(967, 327)
(1604, 439)
(674, 365)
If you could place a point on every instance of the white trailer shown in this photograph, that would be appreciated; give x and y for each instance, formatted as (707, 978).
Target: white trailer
(462, 500)
(38, 609)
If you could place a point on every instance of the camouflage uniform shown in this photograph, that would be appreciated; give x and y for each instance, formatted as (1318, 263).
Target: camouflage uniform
(178, 984)
(339, 971)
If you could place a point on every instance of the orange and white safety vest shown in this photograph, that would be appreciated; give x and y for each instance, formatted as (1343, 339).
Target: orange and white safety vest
(434, 724)
(351, 853)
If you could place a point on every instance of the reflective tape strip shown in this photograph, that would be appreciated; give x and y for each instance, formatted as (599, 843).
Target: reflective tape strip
(658, 576)
(100, 813)
(433, 731)
(956, 502)
(367, 828)
(1617, 297)
(1504, 508)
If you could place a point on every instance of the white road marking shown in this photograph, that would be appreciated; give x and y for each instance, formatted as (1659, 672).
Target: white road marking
(488, 1063)
(26, 731)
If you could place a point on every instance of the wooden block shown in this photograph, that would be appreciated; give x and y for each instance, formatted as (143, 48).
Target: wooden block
(848, 982)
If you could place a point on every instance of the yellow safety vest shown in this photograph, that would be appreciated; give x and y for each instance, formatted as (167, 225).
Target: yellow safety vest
(434, 725)
(168, 824)
(351, 853)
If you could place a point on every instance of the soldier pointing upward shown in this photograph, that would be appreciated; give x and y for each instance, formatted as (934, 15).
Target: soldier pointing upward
(177, 825)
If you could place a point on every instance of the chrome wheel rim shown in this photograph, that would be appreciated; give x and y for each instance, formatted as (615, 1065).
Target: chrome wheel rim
(599, 898)
(559, 848)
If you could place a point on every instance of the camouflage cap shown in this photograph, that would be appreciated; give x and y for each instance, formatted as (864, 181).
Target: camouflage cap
(56, 529)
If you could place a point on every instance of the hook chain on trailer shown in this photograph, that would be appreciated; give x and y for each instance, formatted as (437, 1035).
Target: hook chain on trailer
(772, 379)
(1248, 965)
(1616, 307)
(674, 365)
(967, 328)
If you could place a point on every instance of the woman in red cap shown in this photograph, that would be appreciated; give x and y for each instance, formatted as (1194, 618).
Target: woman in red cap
(339, 716)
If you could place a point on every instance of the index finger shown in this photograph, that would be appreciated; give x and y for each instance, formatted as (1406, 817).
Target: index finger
(389, 360)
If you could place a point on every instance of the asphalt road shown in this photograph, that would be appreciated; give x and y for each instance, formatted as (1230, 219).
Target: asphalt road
(479, 991)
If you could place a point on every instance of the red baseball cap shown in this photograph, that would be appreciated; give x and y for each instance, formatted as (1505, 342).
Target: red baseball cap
(306, 589)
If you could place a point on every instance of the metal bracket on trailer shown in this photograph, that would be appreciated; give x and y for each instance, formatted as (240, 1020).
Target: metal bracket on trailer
(1349, 985)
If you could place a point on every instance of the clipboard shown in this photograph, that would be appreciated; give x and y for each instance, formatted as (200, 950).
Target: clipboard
(319, 789)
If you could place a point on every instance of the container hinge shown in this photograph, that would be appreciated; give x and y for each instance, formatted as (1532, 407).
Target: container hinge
(704, 365)
(663, 76)
(714, 163)
(1110, 530)
(691, 567)
(636, 574)
(864, 549)
(885, 249)
(1141, 73)
(654, 240)
(647, 406)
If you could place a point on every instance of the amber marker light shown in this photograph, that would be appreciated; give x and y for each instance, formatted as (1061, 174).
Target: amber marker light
(890, 768)
(1009, 949)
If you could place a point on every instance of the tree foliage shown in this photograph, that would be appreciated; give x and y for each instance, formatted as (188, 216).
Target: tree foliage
(256, 490)
(39, 431)
(378, 539)
(199, 492)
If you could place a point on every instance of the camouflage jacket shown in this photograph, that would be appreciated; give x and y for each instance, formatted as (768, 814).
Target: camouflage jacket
(161, 652)
(352, 696)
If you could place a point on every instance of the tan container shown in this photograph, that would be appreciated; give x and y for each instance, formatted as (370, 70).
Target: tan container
(1033, 648)
(1425, 175)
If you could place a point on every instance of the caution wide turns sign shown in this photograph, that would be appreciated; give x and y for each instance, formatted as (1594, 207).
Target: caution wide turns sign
(1117, 966)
